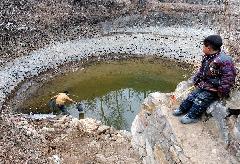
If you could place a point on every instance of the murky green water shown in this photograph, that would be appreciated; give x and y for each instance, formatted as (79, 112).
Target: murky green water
(112, 91)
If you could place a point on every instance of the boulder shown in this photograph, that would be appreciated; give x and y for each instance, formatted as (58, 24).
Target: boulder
(159, 137)
(234, 101)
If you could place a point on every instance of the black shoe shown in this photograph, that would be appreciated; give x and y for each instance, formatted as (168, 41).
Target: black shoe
(177, 112)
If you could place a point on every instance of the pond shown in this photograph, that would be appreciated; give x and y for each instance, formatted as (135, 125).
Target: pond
(110, 91)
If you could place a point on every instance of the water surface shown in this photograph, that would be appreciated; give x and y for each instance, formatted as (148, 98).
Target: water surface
(111, 91)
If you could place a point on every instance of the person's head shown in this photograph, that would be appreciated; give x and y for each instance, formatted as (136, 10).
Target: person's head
(212, 44)
(66, 92)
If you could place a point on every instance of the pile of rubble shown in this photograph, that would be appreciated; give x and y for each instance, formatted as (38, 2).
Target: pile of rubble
(62, 139)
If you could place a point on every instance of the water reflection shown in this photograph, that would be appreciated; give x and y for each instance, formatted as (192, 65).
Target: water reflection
(117, 108)
(110, 91)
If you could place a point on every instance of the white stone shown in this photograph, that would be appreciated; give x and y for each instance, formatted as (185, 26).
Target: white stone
(74, 123)
(45, 129)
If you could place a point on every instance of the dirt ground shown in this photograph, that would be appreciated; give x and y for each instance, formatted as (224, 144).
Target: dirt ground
(63, 140)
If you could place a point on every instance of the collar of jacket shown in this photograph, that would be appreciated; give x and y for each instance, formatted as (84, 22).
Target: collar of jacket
(207, 57)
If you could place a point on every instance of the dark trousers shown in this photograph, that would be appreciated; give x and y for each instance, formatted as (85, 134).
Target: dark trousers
(197, 102)
(63, 109)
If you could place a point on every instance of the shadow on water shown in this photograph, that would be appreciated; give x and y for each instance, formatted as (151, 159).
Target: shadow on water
(110, 91)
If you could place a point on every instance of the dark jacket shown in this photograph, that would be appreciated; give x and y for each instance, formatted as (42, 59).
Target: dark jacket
(217, 73)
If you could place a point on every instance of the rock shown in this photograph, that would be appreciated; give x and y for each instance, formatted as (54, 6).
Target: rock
(220, 112)
(102, 129)
(94, 144)
(154, 99)
(213, 127)
(125, 133)
(33, 132)
(183, 86)
(160, 155)
(101, 157)
(63, 119)
(40, 116)
(22, 123)
(166, 140)
(89, 124)
(234, 101)
(74, 123)
(232, 126)
(120, 138)
(234, 148)
(45, 129)
(56, 159)
(57, 125)
(232, 121)
(237, 128)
